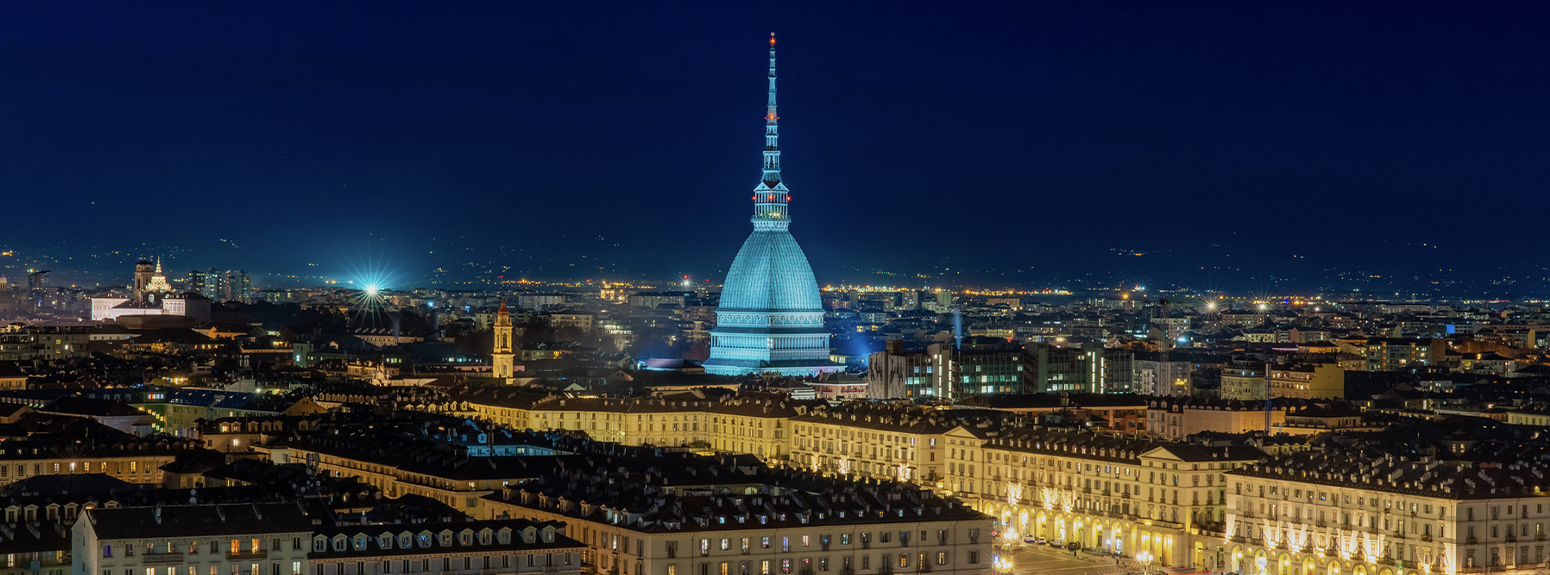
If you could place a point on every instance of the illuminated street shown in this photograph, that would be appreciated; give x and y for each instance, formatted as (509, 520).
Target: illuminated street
(1040, 559)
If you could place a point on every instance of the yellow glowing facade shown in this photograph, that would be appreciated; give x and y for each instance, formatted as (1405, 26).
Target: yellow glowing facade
(502, 359)
(1278, 524)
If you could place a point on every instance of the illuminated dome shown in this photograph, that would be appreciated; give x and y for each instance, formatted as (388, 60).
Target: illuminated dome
(770, 319)
(770, 274)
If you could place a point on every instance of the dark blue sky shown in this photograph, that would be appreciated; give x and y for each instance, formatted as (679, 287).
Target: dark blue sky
(1237, 145)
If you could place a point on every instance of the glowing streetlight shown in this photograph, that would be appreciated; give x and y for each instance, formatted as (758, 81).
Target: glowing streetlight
(371, 289)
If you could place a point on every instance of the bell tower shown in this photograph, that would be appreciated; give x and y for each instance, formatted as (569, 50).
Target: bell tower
(503, 361)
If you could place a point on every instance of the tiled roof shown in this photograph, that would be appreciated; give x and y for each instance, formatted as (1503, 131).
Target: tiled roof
(198, 520)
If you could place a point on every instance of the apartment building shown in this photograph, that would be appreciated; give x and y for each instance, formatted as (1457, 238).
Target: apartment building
(242, 539)
(1394, 354)
(400, 463)
(488, 547)
(1117, 493)
(874, 445)
(752, 423)
(1307, 381)
(881, 441)
(1244, 380)
(666, 519)
(127, 458)
(1340, 512)
(1177, 418)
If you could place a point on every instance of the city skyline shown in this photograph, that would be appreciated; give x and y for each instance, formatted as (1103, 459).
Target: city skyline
(466, 289)
(1243, 149)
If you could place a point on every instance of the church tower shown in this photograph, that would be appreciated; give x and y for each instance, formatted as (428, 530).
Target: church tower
(770, 319)
(143, 272)
(503, 359)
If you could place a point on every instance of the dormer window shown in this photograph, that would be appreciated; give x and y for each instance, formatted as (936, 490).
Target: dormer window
(319, 545)
(360, 542)
(465, 538)
(405, 540)
(425, 540)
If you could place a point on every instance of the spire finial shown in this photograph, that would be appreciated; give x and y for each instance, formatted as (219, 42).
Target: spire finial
(770, 196)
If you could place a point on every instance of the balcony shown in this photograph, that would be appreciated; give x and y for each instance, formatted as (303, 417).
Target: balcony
(1471, 541)
(1512, 538)
(1426, 538)
(172, 558)
(260, 554)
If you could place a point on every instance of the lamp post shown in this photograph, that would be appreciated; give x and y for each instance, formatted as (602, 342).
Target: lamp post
(1145, 557)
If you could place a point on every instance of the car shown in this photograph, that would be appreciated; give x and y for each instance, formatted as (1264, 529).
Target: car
(1041, 541)
(1031, 540)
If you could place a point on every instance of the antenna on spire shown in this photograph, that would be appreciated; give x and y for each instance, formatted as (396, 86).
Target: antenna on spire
(771, 196)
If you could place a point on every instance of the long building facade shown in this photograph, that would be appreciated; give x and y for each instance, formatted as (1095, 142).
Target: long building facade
(735, 521)
(1356, 514)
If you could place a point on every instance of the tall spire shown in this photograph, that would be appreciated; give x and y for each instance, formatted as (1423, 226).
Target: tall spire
(771, 196)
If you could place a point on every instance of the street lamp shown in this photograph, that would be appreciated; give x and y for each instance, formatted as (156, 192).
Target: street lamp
(1145, 557)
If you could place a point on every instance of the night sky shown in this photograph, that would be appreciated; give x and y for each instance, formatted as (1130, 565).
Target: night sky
(1246, 146)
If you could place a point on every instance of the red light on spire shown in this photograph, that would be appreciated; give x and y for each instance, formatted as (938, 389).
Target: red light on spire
(772, 39)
